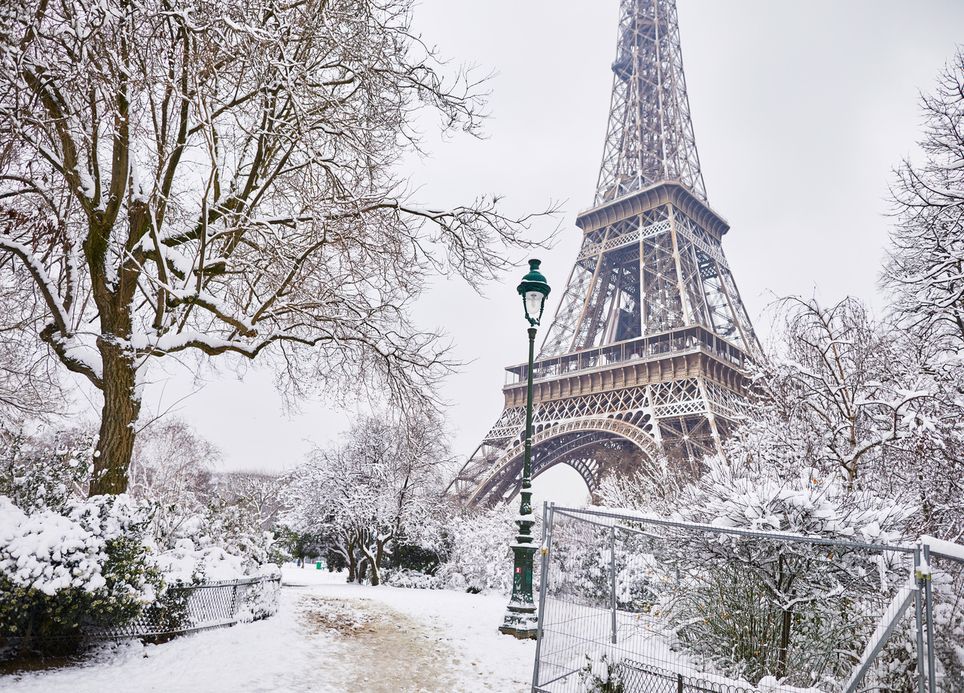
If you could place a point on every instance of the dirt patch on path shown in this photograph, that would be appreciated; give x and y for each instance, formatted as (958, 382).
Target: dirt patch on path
(389, 652)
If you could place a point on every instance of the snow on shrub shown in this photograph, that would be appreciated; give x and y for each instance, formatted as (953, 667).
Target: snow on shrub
(602, 674)
(412, 579)
(187, 564)
(478, 558)
(44, 471)
(260, 599)
(754, 607)
(58, 571)
(49, 552)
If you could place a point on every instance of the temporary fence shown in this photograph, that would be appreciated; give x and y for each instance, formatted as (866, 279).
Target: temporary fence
(631, 603)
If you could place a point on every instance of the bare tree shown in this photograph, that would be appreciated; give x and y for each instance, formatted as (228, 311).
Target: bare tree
(218, 178)
(925, 268)
(171, 467)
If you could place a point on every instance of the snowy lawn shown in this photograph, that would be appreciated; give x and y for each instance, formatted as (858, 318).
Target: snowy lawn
(326, 636)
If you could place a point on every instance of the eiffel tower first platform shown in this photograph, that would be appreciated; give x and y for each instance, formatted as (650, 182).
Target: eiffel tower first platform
(648, 350)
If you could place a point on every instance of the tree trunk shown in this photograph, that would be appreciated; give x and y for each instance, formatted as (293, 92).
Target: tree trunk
(115, 443)
(362, 569)
(783, 656)
(350, 560)
(379, 557)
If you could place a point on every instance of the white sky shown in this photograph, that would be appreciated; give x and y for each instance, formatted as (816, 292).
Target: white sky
(800, 112)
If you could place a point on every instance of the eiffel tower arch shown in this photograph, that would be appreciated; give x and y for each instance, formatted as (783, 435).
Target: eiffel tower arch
(648, 350)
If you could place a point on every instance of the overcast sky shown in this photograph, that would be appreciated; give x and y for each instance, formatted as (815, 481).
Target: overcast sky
(800, 109)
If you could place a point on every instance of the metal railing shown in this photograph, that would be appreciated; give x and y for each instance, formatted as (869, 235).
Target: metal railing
(189, 608)
(644, 678)
(690, 339)
(178, 610)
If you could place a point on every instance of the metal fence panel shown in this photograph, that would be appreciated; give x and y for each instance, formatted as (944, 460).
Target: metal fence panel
(197, 607)
(633, 603)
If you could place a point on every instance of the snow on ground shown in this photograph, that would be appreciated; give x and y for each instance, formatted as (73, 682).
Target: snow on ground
(326, 636)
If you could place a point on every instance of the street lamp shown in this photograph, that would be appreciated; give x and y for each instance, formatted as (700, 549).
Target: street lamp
(520, 616)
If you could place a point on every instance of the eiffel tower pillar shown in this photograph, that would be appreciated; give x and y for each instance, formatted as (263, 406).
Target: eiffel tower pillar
(648, 350)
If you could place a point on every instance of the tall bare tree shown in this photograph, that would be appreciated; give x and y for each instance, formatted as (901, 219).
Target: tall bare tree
(219, 177)
(925, 268)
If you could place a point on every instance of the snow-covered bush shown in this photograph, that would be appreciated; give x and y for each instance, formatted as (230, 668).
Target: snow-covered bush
(60, 571)
(46, 470)
(260, 599)
(186, 564)
(602, 674)
(478, 557)
(412, 579)
(753, 607)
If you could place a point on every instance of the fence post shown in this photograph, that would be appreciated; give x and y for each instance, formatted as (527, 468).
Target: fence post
(929, 616)
(918, 616)
(547, 519)
(679, 683)
(612, 577)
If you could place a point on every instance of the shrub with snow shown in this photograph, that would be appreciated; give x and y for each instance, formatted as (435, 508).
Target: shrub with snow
(412, 579)
(602, 674)
(187, 564)
(758, 607)
(478, 557)
(60, 571)
(44, 471)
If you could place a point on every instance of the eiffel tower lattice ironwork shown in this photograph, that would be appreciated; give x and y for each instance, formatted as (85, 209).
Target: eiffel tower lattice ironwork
(648, 349)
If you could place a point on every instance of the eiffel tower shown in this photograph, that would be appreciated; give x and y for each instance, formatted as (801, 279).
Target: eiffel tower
(648, 349)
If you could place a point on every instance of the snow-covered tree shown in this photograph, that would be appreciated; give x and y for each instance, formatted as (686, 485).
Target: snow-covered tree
(30, 389)
(217, 178)
(653, 485)
(477, 556)
(258, 494)
(848, 395)
(924, 276)
(925, 268)
(758, 607)
(838, 374)
(378, 487)
(171, 469)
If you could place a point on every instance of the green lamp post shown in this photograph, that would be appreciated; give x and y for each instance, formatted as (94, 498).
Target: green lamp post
(520, 617)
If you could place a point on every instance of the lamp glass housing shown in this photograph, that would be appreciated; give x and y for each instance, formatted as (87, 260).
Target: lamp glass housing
(534, 301)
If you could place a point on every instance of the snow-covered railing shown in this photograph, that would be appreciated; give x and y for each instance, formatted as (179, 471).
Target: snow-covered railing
(184, 609)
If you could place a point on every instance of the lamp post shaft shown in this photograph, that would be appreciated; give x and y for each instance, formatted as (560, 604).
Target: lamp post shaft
(521, 619)
(527, 455)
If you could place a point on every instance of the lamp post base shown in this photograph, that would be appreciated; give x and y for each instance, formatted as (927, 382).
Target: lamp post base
(520, 622)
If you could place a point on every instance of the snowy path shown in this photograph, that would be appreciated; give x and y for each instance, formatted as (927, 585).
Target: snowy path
(326, 637)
